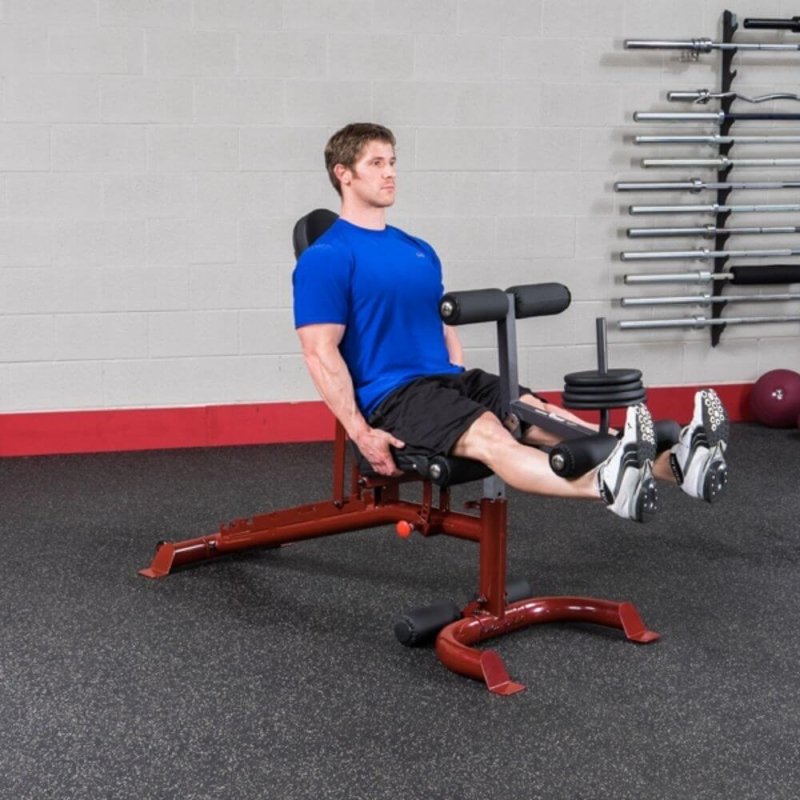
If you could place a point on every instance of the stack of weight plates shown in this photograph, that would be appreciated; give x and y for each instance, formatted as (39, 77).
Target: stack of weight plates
(593, 389)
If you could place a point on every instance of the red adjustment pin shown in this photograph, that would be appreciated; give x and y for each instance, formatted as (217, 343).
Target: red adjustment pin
(404, 529)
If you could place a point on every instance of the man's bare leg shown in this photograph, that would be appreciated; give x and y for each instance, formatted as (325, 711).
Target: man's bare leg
(537, 437)
(520, 466)
(623, 481)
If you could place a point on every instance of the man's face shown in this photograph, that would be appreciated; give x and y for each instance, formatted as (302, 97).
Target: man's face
(371, 180)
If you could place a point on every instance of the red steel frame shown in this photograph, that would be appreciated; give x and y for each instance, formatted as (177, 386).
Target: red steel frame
(374, 502)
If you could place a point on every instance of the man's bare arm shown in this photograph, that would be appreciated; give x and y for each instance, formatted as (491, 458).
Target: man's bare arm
(333, 381)
(454, 348)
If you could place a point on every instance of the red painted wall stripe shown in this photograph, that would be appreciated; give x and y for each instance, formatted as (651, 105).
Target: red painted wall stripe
(162, 428)
(114, 430)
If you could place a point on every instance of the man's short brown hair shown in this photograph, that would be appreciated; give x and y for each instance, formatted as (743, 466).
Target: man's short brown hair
(345, 146)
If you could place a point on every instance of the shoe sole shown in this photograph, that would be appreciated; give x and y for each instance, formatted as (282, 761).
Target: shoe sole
(715, 420)
(644, 504)
(646, 438)
(634, 456)
(715, 479)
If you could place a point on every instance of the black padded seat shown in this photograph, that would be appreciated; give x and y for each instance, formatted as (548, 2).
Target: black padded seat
(444, 471)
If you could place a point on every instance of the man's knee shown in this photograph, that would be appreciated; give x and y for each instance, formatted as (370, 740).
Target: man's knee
(482, 440)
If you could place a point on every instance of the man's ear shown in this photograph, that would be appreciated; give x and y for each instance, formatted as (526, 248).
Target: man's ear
(342, 173)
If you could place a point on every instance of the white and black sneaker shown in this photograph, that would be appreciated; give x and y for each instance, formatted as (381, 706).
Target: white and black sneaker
(698, 459)
(625, 478)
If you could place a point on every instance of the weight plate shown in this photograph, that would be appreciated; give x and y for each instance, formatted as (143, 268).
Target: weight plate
(623, 398)
(602, 405)
(633, 386)
(594, 378)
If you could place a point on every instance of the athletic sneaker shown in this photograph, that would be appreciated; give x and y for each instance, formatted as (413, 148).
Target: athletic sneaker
(625, 478)
(698, 459)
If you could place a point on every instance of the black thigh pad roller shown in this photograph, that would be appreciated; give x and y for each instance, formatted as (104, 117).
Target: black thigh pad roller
(451, 470)
(477, 305)
(539, 299)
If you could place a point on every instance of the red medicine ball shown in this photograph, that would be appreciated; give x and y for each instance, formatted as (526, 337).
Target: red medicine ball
(775, 399)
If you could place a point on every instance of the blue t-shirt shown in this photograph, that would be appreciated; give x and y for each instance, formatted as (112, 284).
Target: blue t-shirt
(384, 287)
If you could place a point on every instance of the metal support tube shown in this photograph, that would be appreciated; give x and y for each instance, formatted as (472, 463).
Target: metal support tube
(601, 331)
(492, 558)
(507, 355)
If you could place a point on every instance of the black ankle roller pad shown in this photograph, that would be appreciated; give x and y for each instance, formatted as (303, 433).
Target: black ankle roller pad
(667, 433)
(576, 457)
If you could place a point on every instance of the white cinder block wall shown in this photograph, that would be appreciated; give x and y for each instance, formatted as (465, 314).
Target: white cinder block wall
(154, 156)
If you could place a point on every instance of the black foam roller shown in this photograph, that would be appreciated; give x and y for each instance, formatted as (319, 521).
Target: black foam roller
(539, 299)
(518, 590)
(576, 457)
(452, 470)
(422, 624)
(477, 305)
(667, 432)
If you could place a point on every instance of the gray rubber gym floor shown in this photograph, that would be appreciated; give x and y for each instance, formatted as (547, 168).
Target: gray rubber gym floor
(276, 674)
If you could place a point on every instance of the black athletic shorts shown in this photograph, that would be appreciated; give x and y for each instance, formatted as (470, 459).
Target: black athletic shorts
(430, 414)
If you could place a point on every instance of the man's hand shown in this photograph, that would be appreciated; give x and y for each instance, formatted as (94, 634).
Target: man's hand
(374, 445)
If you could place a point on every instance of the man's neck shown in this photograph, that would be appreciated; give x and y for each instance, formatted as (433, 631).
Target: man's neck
(371, 218)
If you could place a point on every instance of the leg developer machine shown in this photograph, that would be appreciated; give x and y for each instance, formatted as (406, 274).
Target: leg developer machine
(362, 500)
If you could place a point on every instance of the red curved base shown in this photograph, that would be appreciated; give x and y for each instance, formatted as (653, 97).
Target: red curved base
(454, 643)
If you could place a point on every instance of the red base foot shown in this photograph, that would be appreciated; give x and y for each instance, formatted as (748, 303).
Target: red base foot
(454, 643)
(495, 675)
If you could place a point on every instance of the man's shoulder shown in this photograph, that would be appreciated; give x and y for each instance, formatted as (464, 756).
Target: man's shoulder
(333, 243)
(415, 240)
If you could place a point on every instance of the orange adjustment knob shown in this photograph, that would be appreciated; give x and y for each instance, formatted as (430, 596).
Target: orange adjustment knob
(404, 529)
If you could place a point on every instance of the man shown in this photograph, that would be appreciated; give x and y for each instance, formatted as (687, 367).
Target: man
(366, 310)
